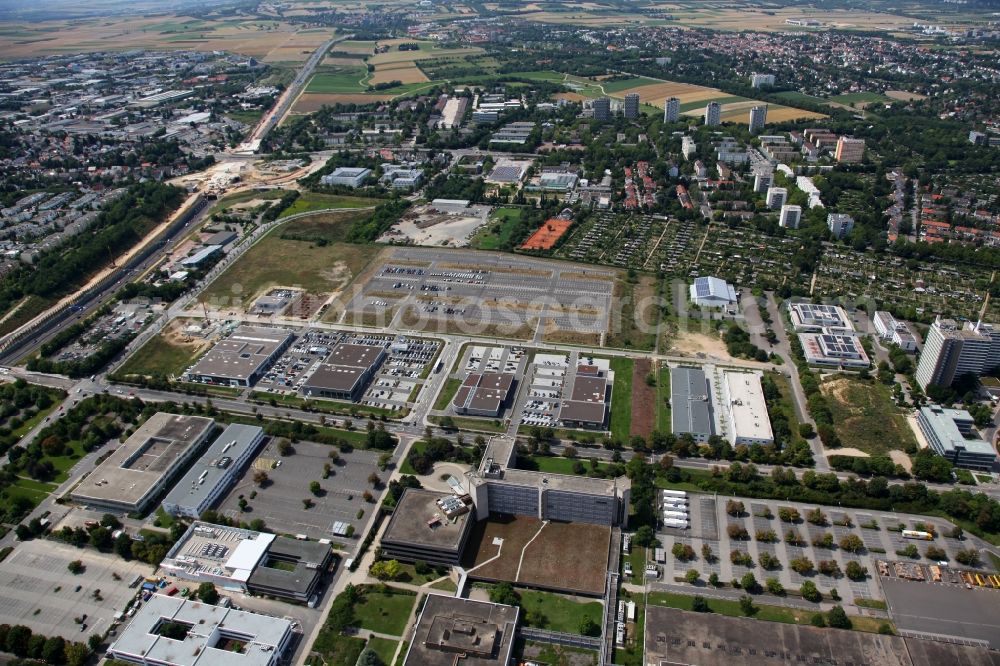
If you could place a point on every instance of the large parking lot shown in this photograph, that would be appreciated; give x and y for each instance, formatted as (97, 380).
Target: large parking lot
(280, 502)
(446, 290)
(406, 364)
(761, 520)
(38, 590)
(921, 609)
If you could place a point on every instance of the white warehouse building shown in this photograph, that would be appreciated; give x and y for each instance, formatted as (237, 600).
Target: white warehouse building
(712, 292)
(214, 473)
(746, 409)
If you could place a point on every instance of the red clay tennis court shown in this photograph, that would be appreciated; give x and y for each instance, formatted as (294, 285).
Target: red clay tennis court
(547, 235)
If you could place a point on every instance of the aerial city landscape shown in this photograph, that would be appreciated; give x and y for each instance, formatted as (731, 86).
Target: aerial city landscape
(500, 332)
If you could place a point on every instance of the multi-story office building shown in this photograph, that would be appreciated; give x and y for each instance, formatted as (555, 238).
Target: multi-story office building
(951, 434)
(713, 114)
(791, 216)
(671, 110)
(758, 117)
(602, 109)
(631, 109)
(688, 147)
(776, 197)
(840, 224)
(951, 351)
(849, 150)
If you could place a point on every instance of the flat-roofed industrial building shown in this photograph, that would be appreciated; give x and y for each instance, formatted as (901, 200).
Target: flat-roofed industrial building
(144, 466)
(345, 373)
(428, 526)
(247, 561)
(211, 632)
(241, 358)
(453, 631)
(746, 408)
(589, 400)
(691, 403)
(484, 394)
(211, 477)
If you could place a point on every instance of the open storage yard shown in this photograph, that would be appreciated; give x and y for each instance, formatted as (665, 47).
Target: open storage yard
(482, 294)
(569, 557)
(37, 589)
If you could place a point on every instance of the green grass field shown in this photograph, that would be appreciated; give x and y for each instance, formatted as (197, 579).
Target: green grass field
(793, 97)
(159, 357)
(383, 647)
(663, 413)
(336, 649)
(611, 87)
(448, 392)
(342, 81)
(310, 201)
(556, 465)
(496, 234)
(560, 613)
(862, 97)
(722, 99)
(621, 397)
(385, 613)
(538, 75)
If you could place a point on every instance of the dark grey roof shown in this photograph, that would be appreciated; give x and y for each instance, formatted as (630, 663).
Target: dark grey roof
(690, 402)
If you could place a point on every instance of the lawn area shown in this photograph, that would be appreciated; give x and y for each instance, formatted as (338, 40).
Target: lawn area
(496, 234)
(538, 75)
(556, 465)
(159, 357)
(793, 97)
(621, 398)
(471, 423)
(275, 261)
(402, 654)
(865, 416)
(637, 558)
(618, 86)
(385, 612)
(245, 117)
(310, 201)
(863, 97)
(343, 81)
(560, 613)
(337, 650)
(448, 392)
(663, 413)
(383, 647)
(765, 611)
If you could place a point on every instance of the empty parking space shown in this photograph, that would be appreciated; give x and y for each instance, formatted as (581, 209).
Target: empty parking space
(923, 608)
(279, 502)
(38, 590)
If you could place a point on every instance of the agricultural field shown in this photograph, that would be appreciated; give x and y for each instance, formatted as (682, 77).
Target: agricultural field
(270, 41)
(860, 99)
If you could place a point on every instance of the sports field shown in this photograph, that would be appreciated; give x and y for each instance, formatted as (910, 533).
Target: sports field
(547, 235)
